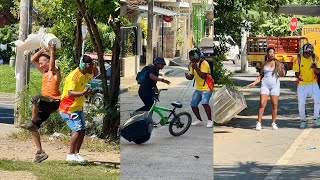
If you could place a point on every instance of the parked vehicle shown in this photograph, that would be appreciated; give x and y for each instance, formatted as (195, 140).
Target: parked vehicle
(96, 99)
(286, 49)
(233, 51)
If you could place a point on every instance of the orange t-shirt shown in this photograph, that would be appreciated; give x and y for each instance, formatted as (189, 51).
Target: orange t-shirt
(50, 87)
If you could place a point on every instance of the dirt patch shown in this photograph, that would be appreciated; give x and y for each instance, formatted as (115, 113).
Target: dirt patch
(14, 149)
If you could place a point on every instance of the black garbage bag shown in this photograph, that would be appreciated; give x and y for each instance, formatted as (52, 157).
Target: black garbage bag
(138, 128)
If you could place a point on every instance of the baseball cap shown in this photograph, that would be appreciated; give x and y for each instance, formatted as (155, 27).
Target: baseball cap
(159, 60)
(87, 59)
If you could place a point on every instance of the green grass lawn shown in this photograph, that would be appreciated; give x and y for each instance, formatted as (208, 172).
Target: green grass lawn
(8, 80)
(60, 170)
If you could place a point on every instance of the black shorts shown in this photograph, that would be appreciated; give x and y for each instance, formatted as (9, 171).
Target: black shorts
(46, 106)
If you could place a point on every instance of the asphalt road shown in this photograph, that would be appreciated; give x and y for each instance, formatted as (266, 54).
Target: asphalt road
(6, 109)
(164, 156)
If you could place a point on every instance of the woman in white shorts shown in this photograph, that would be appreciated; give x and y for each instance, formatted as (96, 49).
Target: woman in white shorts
(270, 72)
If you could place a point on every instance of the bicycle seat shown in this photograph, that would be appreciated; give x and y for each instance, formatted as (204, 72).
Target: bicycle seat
(177, 104)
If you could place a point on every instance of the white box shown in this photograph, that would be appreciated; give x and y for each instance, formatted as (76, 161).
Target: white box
(227, 103)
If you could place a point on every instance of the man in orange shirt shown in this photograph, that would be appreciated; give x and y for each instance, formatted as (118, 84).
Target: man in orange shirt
(46, 103)
(72, 100)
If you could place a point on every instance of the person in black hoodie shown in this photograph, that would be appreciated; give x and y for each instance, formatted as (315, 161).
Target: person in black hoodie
(148, 88)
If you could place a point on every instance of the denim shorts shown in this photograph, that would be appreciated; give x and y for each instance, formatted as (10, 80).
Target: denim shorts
(74, 120)
(200, 96)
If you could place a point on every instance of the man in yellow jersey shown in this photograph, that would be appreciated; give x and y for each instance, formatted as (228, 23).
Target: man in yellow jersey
(46, 103)
(72, 100)
(306, 67)
(199, 70)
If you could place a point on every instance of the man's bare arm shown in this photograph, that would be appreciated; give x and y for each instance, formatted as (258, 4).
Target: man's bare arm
(35, 59)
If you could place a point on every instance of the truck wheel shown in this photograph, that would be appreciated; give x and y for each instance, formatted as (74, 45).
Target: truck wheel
(97, 100)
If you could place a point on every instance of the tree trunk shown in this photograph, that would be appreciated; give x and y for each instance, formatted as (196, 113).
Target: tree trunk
(115, 63)
(78, 38)
(111, 122)
(111, 118)
(97, 43)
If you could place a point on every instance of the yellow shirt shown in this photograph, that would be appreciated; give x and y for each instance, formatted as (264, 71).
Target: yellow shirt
(205, 68)
(308, 75)
(75, 81)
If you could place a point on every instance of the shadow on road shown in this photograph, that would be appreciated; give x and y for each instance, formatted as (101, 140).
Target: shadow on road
(288, 115)
(254, 170)
(6, 116)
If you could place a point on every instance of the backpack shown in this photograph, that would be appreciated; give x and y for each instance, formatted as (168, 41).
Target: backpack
(209, 79)
(141, 76)
(210, 64)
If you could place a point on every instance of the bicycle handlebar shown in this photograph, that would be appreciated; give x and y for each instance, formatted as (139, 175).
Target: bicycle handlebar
(156, 98)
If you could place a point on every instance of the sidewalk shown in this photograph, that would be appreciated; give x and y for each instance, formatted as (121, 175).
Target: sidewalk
(129, 83)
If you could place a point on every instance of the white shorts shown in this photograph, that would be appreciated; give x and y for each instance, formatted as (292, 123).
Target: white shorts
(270, 86)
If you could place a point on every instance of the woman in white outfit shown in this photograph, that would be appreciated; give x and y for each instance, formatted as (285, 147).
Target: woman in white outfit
(270, 72)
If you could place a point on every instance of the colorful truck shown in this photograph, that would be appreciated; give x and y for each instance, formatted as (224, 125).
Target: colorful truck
(286, 48)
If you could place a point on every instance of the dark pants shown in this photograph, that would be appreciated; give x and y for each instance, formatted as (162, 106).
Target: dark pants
(147, 98)
(46, 107)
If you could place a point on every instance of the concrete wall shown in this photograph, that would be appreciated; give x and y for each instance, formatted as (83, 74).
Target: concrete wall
(130, 66)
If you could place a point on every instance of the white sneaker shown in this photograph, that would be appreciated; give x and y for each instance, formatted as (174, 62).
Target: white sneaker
(317, 122)
(80, 158)
(258, 126)
(303, 124)
(209, 124)
(71, 158)
(274, 126)
(197, 123)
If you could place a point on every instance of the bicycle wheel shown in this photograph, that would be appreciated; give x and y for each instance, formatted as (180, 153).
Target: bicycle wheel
(180, 124)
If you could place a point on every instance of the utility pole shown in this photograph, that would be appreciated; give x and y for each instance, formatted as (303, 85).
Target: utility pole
(244, 35)
(20, 79)
(149, 58)
(29, 32)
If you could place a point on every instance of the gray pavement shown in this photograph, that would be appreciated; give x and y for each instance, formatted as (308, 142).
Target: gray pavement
(165, 156)
(6, 108)
(241, 152)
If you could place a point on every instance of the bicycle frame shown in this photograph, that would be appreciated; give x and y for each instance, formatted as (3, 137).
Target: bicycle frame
(159, 110)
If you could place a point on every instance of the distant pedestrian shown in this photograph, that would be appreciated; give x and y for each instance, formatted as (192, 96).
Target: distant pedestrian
(305, 67)
(1, 60)
(198, 71)
(270, 72)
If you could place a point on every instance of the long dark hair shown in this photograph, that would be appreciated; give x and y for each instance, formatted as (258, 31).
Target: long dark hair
(266, 57)
(277, 62)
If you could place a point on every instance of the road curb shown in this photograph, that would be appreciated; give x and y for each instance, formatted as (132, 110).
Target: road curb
(123, 90)
(163, 73)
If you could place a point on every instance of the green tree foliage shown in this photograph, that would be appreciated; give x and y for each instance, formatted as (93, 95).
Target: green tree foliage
(230, 13)
(60, 17)
(108, 37)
